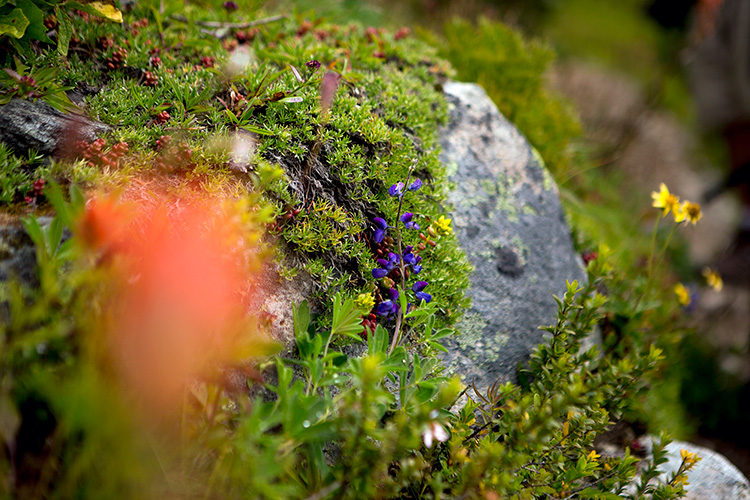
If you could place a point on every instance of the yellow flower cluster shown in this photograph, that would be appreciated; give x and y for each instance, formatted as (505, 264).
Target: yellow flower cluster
(668, 202)
(440, 227)
(683, 295)
(713, 279)
(365, 301)
(689, 459)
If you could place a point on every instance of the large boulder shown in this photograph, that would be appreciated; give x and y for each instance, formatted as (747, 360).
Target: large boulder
(509, 221)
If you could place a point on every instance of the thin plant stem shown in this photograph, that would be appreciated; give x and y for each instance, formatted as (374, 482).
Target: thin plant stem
(666, 245)
(653, 247)
(402, 267)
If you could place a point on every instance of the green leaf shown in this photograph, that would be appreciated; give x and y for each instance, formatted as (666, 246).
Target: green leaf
(55, 235)
(378, 341)
(397, 361)
(301, 315)
(34, 14)
(61, 102)
(77, 198)
(13, 23)
(55, 196)
(64, 31)
(256, 130)
(34, 230)
(347, 318)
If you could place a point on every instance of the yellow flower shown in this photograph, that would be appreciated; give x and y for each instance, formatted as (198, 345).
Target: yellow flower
(689, 459)
(683, 295)
(665, 200)
(365, 301)
(593, 456)
(688, 211)
(442, 225)
(713, 279)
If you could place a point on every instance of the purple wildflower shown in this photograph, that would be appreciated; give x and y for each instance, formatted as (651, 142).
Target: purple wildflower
(379, 233)
(418, 287)
(407, 220)
(388, 307)
(414, 186)
(409, 258)
(313, 65)
(386, 266)
(230, 5)
(379, 272)
(397, 189)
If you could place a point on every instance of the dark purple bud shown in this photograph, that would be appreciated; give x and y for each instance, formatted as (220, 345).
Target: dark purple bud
(414, 186)
(378, 273)
(230, 5)
(313, 65)
(383, 262)
(409, 249)
(397, 189)
(419, 286)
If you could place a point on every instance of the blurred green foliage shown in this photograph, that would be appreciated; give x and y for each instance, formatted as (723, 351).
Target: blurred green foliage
(512, 69)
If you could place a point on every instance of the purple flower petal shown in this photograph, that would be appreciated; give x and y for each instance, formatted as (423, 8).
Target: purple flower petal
(393, 260)
(378, 235)
(406, 219)
(384, 308)
(380, 222)
(393, 294)
(408, 249)
(424, 296)
(396, 189)
(410, 259)
(378, 273)
(419, 286)
(414, 186)
(416, 268)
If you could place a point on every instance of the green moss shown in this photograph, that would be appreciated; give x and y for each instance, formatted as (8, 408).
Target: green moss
(156, 76)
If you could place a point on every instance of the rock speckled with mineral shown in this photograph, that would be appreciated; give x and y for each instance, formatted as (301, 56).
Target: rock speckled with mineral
(509, 221)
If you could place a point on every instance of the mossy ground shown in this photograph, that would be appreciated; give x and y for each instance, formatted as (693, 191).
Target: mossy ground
(184, 97)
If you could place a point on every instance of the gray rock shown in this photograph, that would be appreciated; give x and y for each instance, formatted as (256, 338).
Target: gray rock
(510, 223)
(713, 477)
(36, 125)
(17, 255)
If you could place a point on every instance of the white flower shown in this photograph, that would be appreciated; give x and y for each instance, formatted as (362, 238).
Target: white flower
(434, 431)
